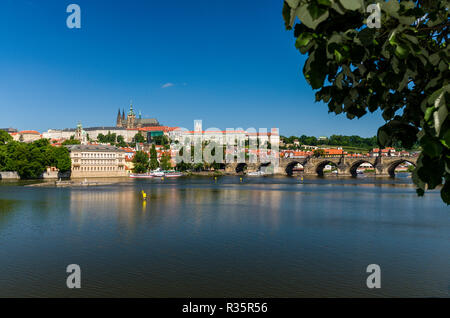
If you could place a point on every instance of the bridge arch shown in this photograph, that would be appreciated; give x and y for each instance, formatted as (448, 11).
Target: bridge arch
(393, 165)
(354, 167)
(241, 167)
(290, 167)
(320, 166)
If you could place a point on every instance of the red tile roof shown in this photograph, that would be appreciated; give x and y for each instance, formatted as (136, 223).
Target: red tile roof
(34, 132)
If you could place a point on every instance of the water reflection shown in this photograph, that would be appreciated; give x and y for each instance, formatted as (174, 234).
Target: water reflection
(206, 238)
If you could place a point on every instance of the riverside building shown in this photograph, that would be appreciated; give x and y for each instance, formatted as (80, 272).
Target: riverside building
(97, 161)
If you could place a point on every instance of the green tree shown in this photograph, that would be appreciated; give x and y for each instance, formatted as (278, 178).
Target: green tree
(161, 140)
(71, 141)
(319, 152)
(31, 159)
(154, 164)
(5, 137)
(121, 141)
(183, 166)
(61, 157)
(165, 161)
(400, 68)
(140, 161)
(109, 138)
(101, 138)
(139, 138)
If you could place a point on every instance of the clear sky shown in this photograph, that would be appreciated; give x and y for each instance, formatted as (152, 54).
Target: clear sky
(230, 63)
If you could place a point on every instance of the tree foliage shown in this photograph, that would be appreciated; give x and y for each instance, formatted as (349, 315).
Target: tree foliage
(140, 161)
(121, 141)
(319, 153)
(165, 161)
(31, 159)
(71, 141)
(333, 140)
(400, 68)
(4, 137)
(139, 138)
(154, 164)
(109, 138)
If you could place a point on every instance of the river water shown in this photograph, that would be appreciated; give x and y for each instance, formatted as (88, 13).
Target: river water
(196, 237)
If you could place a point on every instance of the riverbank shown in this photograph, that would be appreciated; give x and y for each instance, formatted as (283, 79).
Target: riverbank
(69, 184)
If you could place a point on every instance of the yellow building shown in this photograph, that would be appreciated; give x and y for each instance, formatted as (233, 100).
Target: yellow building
(97, 161)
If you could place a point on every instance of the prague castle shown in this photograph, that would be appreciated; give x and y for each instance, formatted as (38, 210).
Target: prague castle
(126, 126)
(131, 122)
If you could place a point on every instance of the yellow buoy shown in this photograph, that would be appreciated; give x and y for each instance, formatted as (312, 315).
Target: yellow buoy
(240, 179)
(144, 195)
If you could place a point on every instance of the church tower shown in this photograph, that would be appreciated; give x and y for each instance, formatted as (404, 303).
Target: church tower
(131, 118)
(80, 134)
(119, 122)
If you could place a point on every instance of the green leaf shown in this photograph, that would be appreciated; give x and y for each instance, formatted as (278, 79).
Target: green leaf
(428, 113)
(316, 79)
(293, 3)
(324, 2)
(401, 51)
(366, 36)
(391, 7)
(303, 39)
(339, 57)
(441, 115)
(434, 59)
(431, 147)
(393, 38)
(351, 4)
(316, 11)
(446, 138)
(305, 17)
(286, 12)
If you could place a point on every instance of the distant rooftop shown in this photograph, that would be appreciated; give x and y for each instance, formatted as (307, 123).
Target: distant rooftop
(104, 128)
(94, 148)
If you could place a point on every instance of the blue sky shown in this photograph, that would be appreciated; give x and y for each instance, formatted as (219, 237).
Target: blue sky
(231, 63)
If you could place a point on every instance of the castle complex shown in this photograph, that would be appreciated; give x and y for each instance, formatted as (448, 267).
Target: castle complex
(126, 126)
(131, 122)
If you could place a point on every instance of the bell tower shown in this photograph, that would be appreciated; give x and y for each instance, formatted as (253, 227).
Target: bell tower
(131, 118)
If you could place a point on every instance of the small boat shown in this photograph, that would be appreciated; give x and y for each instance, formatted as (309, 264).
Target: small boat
(173, 174)
(256, 174)
(157, 174)
(141, 175)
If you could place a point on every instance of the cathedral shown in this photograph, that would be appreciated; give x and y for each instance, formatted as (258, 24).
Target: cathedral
(131, 122)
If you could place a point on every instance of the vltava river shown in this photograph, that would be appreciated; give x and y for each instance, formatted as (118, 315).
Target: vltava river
(264, 237)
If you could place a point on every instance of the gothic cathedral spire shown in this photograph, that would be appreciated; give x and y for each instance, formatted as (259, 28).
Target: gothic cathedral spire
(119, 121)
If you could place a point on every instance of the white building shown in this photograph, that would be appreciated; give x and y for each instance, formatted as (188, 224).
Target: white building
(97, 161)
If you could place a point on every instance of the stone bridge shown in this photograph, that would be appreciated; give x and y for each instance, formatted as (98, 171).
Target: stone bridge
(346, 166)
